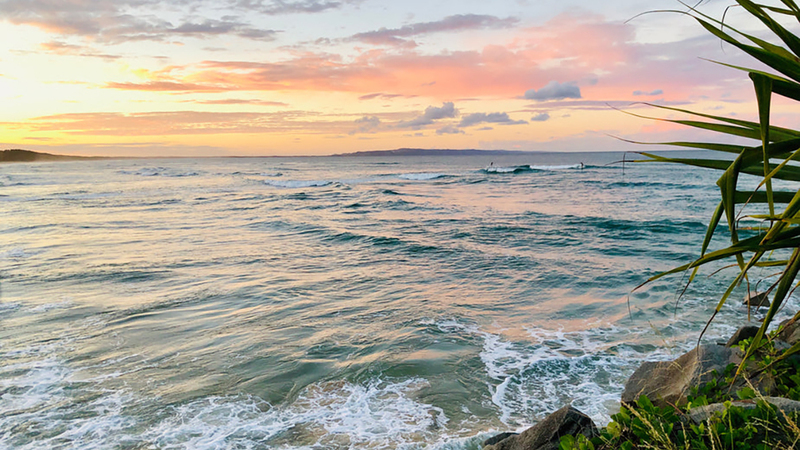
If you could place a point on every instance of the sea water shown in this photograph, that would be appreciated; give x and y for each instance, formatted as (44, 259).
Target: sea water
(339, 303)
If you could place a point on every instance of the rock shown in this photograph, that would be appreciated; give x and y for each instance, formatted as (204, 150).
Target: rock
(702, 413)
(763, 383)
(757, 300)
(495, 439)
(547, 434)
(745, 332)
(790, 332)
(669, 382)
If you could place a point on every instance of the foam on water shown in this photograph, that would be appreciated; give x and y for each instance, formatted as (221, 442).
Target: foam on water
(587, 368)
(508, 169)
(556, 167)
(9, 306)
(59, 409)
(529, 168)
(38, 395)
(18, 253)
(337, 414)
(64, 304)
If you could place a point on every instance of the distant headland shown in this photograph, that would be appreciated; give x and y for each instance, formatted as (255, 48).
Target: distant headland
(18, 155)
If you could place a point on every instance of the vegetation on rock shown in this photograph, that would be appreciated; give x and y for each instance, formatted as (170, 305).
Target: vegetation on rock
(777, 244)
(739, 415)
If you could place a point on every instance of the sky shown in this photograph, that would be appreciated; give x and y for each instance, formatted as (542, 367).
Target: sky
(316, 77)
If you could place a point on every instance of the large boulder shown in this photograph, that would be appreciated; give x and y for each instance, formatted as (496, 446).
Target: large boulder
(499, 437)
(547, 434)
(790, 331)
(745, 332)
(754, 300)
(669, 382)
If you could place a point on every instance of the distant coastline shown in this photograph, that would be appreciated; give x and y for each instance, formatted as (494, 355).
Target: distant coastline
(19, 155)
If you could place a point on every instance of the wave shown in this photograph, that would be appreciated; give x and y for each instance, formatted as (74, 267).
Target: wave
(529, 168)
(260, 174)
(298, 183)
(385, 243)
(377, 414)
(158, 172)
(421, 176)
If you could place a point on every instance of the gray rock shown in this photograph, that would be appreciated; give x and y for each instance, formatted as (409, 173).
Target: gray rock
(669, 382)
(702, 413)
(790, 332)
(757, 300)
(495, 439)
(547, 434)
(745, 332)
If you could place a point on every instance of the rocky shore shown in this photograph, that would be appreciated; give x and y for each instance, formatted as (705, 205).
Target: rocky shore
(669, 385)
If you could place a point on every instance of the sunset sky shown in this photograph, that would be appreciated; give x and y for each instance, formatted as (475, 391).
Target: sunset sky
(305, 77)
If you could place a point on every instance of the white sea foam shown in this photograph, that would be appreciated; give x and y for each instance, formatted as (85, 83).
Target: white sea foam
(326, 415)
(529, 167)
(555, 167)
(9, 306)
(44, 395)
(511, 169)
(64, 304)
(534, 378)
(18, 253)
(423, 176)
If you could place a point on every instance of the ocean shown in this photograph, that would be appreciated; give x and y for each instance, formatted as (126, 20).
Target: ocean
(339, 303)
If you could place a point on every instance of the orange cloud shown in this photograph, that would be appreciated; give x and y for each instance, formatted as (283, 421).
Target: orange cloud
(191, 123)
(569, 48)
(582, 50)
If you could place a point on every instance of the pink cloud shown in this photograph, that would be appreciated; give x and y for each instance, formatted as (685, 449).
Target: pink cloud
(598, 57)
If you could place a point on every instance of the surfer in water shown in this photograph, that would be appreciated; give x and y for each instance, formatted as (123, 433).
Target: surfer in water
(582, 166)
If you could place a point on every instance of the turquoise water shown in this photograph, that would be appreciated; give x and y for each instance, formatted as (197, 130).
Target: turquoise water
(337, 303)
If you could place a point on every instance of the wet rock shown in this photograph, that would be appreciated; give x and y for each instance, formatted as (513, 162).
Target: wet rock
(495, 439)
(757, 300)
(745, 332)
(547, 434)
(669, 382)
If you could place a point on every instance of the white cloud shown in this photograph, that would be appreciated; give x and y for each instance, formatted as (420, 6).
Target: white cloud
(541, 117)
(655, 92)
(476, 118)
(554, 91)
(431, 114)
